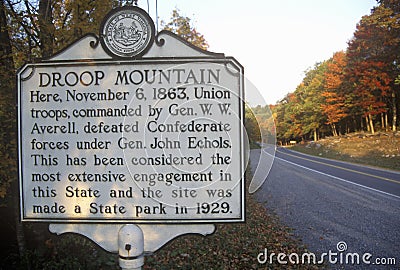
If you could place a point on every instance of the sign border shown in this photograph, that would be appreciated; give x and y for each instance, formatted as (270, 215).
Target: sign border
(157, 60)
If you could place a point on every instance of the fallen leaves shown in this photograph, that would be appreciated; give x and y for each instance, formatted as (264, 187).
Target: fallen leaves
(232, 246)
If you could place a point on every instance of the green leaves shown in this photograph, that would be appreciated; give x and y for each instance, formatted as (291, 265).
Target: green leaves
(252, 127)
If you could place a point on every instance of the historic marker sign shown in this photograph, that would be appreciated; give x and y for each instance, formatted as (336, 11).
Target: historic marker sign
(154, 139)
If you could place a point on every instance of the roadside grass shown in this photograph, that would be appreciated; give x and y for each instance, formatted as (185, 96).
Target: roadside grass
(231, 246)
(381, 149)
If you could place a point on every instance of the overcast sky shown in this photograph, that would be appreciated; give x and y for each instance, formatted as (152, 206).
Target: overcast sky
(275, 40)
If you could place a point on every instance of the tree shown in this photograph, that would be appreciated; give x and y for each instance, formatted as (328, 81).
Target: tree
(303, 108)
(287, 126)
(354, 89)
(373, 57)
(76, 18)
(33, 30)
(334, 105)
(8, 135)
(181, 26)
(368, 70)
(46, 28)
(313, 119)
(265, 122)
(8, 146)
(387, 17)
(252, 126)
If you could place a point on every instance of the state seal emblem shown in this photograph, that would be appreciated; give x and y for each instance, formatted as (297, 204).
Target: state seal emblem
(127, 32)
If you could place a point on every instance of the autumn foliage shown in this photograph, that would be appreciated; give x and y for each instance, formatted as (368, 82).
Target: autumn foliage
(355, 90)
(334, 106)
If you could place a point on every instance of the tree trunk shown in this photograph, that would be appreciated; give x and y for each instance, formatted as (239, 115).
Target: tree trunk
(8, 92)
(19, 227)
(386, 122)
(46, 26)
(394, 112)
(315, 135)
(371, 124)
(334, 132)
(7, 63)
(367, 124)
(355, 124)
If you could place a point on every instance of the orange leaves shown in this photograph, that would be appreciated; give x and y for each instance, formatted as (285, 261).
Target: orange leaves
(334, 107)
(335, 74)
(369, 65)
(371, 86)
(361, 82)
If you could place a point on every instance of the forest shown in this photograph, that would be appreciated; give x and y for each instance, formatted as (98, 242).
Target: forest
(355, 90)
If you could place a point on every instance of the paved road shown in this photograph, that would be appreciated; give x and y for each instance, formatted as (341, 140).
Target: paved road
(327, 202)
(382, 180)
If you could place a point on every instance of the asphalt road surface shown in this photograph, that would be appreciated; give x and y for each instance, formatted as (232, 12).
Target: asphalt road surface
(334, 207)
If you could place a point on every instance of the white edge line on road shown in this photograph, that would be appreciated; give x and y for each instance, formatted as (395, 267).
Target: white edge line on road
(346, 162)
(337, 178)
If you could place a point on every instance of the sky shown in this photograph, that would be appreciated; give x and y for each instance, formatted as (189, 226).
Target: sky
(275, 40)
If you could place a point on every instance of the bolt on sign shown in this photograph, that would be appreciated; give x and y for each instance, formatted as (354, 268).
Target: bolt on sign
(131, 127)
